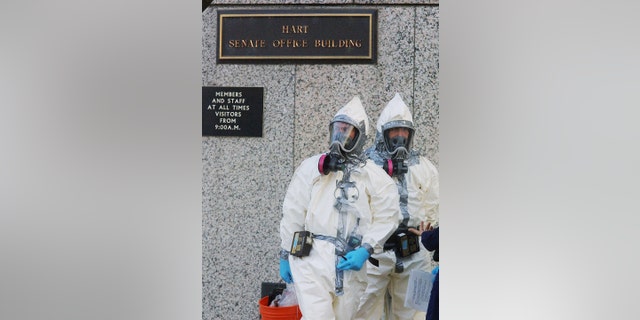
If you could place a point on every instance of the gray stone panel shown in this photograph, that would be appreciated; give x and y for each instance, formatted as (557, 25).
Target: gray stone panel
(426, 107)
(244, 180)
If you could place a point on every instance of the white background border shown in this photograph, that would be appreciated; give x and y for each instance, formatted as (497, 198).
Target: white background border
(100, 166)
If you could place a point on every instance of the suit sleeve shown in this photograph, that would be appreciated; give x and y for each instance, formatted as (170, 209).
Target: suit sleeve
(432, 196)
(296, 203)
(430, 239)
(385, 210)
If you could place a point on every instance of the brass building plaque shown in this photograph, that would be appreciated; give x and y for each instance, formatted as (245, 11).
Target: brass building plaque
(297, 36)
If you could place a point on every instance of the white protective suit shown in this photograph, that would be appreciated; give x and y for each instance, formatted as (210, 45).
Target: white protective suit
(309, 205)
(421, 202)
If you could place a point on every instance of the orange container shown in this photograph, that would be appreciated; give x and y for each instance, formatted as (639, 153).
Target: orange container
(278, 313)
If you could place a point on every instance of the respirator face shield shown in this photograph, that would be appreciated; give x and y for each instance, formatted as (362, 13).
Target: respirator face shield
(343, 137)
(397, 141)
(343, 140)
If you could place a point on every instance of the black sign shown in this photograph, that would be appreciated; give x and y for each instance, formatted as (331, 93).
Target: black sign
(232, 111)
(311, 36)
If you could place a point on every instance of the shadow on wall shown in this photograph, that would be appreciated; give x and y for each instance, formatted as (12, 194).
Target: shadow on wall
(205, 4)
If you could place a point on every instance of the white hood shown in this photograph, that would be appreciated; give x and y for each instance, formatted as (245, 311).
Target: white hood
(395, 111)
(356, 113)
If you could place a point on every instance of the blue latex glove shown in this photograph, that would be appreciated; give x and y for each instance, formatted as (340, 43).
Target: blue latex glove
(285, 271)
(354, 260)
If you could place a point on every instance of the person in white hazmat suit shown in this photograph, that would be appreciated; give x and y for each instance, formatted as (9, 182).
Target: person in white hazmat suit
(418, 189)
(343, 208)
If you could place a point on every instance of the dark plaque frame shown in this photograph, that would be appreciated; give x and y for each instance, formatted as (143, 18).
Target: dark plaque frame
(297, 36)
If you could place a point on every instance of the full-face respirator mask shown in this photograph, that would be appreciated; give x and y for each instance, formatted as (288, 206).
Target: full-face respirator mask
(344, 140)
(397, 142)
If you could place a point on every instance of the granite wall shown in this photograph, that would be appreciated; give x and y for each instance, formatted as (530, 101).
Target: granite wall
(244, 179)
